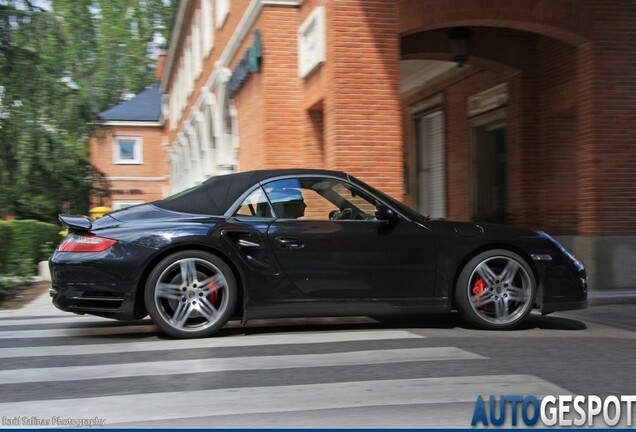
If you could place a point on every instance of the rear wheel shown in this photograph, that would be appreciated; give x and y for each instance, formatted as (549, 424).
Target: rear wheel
(496, 290)
(191, 294)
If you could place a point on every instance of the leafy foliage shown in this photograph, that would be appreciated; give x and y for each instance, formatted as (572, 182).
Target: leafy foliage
(24, 243)
(60, 67)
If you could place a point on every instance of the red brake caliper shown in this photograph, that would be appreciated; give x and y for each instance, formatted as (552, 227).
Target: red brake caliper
(213, 297)
(478, 288)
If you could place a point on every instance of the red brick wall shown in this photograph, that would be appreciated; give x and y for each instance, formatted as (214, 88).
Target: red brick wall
(558, 174)
(577, 109)
(342, 116)
(250, 106)
(569, 66)
(607, 135)
(282, 93)
(576, 101)
(362, 109)
(153, 158)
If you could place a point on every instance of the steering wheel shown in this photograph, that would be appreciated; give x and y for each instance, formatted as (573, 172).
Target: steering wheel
(343, 214)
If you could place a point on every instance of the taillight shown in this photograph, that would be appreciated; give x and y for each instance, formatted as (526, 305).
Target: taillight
(85, 243)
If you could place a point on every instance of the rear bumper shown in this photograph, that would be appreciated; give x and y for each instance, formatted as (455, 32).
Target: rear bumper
(103, 284)
(83, 300)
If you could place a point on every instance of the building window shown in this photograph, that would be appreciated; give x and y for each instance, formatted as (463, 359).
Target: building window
(311, 42)
(128, 150)
(118, 205)
(222, 11)
(431, 163)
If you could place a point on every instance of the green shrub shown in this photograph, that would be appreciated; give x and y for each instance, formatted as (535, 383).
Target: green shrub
(23, 243)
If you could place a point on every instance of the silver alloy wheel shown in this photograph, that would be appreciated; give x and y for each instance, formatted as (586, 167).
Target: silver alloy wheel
(500, 290)
(191, 294)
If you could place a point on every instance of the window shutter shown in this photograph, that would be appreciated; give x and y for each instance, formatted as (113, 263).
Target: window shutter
(431, 164)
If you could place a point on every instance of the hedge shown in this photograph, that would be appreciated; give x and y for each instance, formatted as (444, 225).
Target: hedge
(25, 242)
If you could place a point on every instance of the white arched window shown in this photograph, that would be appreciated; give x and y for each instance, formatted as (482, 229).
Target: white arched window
(210, 138)
(177, 179)
(198, 137)
(228, 138)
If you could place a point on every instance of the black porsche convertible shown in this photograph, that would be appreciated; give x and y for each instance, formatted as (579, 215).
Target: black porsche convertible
(298, 243)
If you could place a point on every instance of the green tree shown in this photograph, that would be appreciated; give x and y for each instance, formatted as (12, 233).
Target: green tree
(61, 63)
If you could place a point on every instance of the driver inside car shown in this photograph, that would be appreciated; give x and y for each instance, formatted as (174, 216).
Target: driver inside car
(288, 203)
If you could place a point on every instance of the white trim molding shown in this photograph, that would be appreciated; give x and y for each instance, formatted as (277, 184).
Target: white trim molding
(174, 42)
(135, 179)
(132, 123)
(222, 10)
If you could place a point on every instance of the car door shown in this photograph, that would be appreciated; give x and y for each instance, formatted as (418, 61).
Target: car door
(327, 240)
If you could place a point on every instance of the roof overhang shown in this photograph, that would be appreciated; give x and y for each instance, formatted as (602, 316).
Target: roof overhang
(175, 36)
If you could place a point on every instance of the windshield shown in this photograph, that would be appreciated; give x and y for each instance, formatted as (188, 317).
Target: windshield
(406, 210)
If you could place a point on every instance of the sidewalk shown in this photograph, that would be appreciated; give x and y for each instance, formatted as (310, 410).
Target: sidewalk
(40, 306)
(595, 298)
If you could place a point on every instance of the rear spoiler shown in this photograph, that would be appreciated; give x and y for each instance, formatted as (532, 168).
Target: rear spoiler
(76, 223)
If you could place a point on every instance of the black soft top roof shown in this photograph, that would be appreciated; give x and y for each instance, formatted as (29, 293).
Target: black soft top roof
(216, 195)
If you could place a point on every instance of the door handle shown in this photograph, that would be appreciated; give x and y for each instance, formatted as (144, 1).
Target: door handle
(248, 244)
(289, 243)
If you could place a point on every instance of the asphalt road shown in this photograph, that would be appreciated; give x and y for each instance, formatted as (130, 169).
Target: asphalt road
(351, 372)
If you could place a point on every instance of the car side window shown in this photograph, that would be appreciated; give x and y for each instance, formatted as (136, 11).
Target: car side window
(255, 205)
(319, 199)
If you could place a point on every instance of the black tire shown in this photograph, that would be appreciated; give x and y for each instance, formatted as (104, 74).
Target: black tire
(506, 294)
(191, 294)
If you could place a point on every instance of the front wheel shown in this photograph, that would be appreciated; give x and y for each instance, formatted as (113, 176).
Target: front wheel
(496, 290)
(191, 294)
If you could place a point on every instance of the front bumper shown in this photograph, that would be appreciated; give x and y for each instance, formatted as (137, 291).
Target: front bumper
(563, 279)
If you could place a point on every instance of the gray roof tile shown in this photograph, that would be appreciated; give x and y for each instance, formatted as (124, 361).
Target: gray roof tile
(145, 106)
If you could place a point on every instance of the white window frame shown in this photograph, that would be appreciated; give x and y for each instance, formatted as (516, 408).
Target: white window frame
(138, 150)
(121, 204)
(312, 46)
(196, 44)
(207, 27)
(189, 70)
(222, 11)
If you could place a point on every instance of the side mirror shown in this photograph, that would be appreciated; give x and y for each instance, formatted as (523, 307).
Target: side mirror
(384, 213)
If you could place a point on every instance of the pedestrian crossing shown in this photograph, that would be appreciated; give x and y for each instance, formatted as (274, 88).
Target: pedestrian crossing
(129, 375)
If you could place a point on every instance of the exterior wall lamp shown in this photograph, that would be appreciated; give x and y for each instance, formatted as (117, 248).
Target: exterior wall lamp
(460, 44)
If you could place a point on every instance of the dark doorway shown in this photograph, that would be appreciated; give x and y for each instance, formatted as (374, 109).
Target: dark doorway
(489, 173)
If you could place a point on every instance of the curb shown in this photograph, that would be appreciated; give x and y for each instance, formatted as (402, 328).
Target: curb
(599, 298)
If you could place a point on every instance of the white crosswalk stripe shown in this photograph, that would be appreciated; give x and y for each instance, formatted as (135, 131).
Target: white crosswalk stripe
(322, 399)
(74, 319)
(234, 364)
(75, 332)
(161, 406)
(217, 342)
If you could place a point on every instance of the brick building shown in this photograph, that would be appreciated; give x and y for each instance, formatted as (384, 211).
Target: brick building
(128, 150)
(536, 128)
